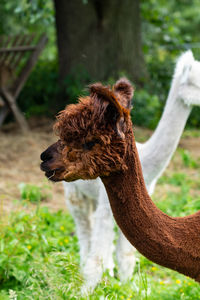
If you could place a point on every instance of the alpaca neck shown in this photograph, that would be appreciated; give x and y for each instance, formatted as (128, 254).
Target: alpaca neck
(170, 242)
(162, 144)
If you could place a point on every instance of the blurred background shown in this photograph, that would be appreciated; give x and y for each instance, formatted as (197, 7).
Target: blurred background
(92, 40)
(88, 41)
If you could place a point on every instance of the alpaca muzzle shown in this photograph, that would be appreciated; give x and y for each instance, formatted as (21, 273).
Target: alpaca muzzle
(51, 174)
(50, 164)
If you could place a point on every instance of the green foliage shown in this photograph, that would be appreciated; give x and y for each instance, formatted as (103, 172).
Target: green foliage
(187, 159)
(39, 260)
(41, 92)
(169, 28)
(36, 254)
(27, 17)
(38, 97)
(176, 179)
(180, 202)
(33, 193)
(188, 132)
(146, 109)
(75, 84)
(194, 119)
(31, 15)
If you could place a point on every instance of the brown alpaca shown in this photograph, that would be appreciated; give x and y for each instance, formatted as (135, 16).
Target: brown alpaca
(96, 139)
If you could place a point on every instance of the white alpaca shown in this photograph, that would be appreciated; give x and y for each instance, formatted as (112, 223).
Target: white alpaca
(87, 200)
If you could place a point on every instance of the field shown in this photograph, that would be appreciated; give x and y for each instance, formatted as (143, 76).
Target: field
(38, 246)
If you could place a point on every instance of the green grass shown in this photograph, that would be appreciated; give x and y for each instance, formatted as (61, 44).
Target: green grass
(191, 133)
(33, 193)
(39, 251)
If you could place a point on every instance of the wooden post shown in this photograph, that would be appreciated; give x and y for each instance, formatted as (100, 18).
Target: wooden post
(2, 103)
(14, 108)
(3, 113)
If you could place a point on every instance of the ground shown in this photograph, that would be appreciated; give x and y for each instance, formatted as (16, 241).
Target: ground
(38, 248)
(20, 160)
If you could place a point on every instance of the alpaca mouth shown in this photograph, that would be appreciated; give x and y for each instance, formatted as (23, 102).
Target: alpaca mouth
(52, 175)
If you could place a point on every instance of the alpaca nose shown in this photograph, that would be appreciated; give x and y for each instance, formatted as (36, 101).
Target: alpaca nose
(49, 153)
(46, 155)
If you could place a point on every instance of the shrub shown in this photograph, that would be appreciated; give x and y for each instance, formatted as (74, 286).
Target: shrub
(38, 96)
(146, 109)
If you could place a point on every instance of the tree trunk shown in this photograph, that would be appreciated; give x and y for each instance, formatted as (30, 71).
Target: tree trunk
(101, 36)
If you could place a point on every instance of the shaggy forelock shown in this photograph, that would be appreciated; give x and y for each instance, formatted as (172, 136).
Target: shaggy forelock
(82, 120)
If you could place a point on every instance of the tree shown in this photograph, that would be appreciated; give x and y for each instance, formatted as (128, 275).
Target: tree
(102, 36)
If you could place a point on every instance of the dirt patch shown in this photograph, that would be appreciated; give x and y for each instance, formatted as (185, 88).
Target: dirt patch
(20, 160)
(192, 144)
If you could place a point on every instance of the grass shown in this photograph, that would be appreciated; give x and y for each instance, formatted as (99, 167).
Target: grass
(192, 132)
(39, 249)
(33, 193)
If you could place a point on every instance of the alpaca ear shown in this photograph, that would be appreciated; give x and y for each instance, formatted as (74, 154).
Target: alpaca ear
(183, 66)
(124, 92)
(108, 108)
(185, 74)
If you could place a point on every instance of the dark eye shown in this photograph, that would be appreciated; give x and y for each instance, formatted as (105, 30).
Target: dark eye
(90, 145)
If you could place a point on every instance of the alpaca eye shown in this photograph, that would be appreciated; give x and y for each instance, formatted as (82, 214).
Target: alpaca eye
(90, 145)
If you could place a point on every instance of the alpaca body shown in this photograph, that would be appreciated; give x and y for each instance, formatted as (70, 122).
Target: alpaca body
(96, 140)
(170, 242)
(155, 156)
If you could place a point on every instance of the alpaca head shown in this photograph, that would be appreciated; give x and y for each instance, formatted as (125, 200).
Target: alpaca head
(92, 135)
(188, 70)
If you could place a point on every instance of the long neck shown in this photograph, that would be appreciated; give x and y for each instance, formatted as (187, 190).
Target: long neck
(162, 144)
(170, 242)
